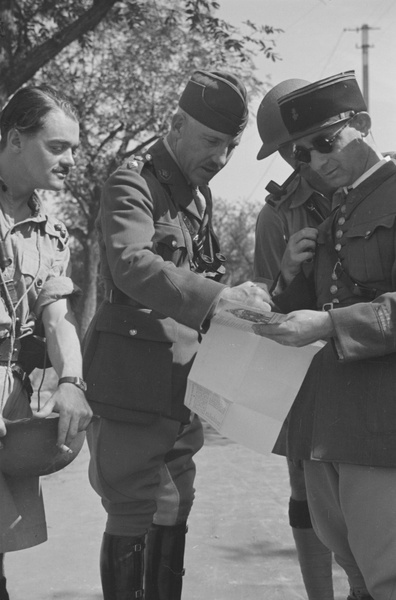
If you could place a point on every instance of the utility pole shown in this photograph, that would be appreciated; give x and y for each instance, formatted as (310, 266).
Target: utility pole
(365, 46)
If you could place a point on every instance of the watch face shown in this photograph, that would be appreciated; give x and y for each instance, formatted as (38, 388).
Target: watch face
(81, 384)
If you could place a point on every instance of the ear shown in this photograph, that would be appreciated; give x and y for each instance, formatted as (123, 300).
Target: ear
(177, 124)
(362, 122)
(14, 140)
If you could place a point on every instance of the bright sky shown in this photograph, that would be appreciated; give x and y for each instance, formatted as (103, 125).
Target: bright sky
(316, 43)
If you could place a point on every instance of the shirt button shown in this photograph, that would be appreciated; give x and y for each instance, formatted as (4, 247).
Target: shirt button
(338, 247)
(333, 289)
(133, 332)
(339, 233)
(174, 243)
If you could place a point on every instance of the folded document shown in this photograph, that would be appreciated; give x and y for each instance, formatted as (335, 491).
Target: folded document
(244, 384)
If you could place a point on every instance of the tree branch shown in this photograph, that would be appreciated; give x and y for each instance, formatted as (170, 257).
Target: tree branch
(26, 66)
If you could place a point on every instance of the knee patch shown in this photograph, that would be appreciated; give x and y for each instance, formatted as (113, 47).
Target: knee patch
(299, 516)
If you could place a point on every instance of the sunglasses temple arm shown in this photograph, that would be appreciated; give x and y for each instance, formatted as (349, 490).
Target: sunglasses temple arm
(280, 190)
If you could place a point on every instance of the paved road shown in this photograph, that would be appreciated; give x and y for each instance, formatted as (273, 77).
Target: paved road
(239, 542)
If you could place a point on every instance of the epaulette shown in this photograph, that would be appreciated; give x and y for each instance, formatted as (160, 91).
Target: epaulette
(272, 200)
(279, 193)
(57, 229)
(136, 162)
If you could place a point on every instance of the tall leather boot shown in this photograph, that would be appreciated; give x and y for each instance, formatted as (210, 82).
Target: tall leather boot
(121, 567)
(3, 590)
(164, 562)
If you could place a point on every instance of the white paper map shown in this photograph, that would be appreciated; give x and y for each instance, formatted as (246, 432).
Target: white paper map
(244, 384)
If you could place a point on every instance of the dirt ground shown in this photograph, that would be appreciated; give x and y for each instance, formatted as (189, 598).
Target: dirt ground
(239, 544)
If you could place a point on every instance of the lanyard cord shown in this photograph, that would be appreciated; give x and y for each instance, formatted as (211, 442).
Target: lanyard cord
(12, 305)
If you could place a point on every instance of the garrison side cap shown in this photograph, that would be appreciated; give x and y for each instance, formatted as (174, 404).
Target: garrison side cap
(216, 99)
(315, 106)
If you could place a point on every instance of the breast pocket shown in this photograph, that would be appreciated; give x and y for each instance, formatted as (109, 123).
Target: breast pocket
(170, 243)
(34, 268)
(371, 249)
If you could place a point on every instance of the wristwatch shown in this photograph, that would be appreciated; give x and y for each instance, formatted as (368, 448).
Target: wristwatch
(80, 383)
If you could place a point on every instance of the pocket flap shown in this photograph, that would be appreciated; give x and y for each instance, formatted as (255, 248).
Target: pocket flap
(367, 229)
(138, 323)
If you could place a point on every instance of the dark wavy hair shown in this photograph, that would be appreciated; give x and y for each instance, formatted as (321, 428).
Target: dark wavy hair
(28, 108)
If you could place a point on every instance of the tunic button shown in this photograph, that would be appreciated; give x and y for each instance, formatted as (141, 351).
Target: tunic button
(333, 289)
(338, 247)
(336, 301)
(339, 233)
(132, 331)
(334, 276)
(343, 208)
(174, 243)
(341, 221)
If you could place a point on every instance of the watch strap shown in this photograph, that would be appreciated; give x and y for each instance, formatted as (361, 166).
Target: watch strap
(77, 381)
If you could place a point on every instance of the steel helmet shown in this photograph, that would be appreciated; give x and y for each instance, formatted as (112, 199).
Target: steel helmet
(270, 126)
(29, 447)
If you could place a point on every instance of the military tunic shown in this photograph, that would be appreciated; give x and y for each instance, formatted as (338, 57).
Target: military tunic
(301, 206)
(141, 344)
(345, 410)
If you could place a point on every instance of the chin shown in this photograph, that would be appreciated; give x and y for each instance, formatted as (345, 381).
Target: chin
(57, 186)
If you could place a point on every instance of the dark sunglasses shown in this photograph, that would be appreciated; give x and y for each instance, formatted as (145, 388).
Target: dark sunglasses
(321, 143)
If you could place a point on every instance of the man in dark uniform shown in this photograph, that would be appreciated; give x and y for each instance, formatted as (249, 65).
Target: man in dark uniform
(342, 421)
(161, 267)
(304, 200)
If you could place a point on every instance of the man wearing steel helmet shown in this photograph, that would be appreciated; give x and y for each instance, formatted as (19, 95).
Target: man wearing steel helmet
(342, 421)
(304, 201)
(161, 266)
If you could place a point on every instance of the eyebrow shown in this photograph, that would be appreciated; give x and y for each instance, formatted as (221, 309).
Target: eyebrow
(61, 141)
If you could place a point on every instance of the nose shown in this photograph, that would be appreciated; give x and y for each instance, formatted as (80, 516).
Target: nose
(221, 157)
(318, 160)
(68, 158)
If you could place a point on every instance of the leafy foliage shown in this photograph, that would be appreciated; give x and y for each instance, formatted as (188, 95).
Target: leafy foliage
(234, 225)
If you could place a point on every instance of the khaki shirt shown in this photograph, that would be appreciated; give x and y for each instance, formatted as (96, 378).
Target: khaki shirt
(36, 251)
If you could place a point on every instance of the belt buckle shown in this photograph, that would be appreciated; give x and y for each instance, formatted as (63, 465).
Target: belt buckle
(328, 306)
